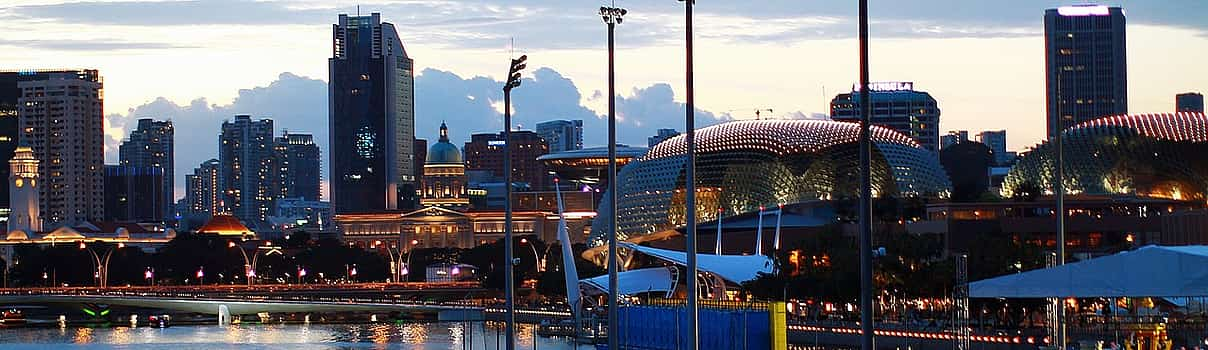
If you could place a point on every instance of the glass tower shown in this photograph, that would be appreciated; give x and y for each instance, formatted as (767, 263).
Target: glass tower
(1085, 70)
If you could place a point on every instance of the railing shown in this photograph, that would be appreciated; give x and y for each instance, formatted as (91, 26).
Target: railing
(260, 294)
(706, 304)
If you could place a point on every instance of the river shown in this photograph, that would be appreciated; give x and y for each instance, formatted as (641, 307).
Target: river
(436, 335)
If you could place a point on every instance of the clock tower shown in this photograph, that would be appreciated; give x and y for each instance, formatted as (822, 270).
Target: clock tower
(23, 191)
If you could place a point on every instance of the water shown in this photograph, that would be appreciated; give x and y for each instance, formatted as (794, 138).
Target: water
(278, 336)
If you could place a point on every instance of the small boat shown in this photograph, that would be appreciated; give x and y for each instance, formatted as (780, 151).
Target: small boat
(12, 318)
(159, 321)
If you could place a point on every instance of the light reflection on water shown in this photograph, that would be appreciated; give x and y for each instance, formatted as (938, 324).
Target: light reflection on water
(446, 335)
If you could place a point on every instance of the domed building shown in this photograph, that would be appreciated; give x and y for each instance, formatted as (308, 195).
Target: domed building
(444, 180)
(744, 165)
(1149, 155)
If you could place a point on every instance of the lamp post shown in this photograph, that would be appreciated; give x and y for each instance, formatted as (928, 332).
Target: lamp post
(865, 244)
(513, 81)
(201, 275)
(690, 183)
(396, 259)
(612, 17)
(536, 257)
(101, 264)
(149, 275)
(249, 265)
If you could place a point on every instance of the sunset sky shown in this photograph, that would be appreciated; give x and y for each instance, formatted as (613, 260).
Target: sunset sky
(198, 62)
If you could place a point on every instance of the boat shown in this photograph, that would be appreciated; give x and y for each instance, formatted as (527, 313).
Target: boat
(12, 318)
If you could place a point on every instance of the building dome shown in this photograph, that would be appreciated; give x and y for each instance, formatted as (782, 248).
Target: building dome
(443, 152)
(1153, 155)
(743, 165)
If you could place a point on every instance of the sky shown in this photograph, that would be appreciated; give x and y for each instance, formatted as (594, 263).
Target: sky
(201, 62)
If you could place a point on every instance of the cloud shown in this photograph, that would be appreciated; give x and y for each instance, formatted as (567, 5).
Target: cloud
(91, 45)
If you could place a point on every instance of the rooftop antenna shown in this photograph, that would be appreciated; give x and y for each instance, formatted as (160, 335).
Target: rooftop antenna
(358, 10)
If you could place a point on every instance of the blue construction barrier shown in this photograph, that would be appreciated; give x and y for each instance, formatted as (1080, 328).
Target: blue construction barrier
(656, 328)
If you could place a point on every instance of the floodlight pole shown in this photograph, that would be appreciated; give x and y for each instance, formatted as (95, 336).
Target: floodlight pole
(693, 341)
(612, 16)
(513, 81)
(865, 245)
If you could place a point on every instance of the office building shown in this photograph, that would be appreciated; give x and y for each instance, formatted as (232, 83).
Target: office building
(1187, 102)
(562, 135)
(203, 190)
(662, 135)
(897, 106)
(997, 141)
(1085, 65)
(246, 168)
(484, 152)
(298, 167)
(134, 194)
(371, 117)
(151, 146)
(421, 154)
(61, 119)
(953, 137)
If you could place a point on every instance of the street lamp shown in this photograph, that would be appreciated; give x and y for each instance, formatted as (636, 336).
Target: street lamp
(536, 257)
(249, 265)
(513, 81)
(101, 264)
(690, 190)
(149, 275)
(201, 275)
(865, 239)
(612, 17)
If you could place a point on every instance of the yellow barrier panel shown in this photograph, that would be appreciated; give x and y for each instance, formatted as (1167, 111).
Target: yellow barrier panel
(778, 325)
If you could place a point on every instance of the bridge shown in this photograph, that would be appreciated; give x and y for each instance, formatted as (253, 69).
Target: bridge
(444, 301)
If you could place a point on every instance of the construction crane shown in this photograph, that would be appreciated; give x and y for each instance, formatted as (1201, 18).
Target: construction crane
(758, 111)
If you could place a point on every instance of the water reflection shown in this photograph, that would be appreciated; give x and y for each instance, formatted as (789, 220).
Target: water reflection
(446, 335)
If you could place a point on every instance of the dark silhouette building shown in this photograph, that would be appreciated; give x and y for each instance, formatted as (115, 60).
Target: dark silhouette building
(371, 117)
(1085, 64)
(484, 152)
(1189, 102)
(150, 146)
(298, 167)
(134, 194)
(967, 164)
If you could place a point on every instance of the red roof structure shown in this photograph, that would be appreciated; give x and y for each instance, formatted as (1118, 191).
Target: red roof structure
(225, 225)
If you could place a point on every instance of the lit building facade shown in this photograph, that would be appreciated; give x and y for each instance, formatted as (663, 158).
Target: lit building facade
(23, 179)
(246, 168)
(203, 190)
(484, 153)
(1151, 155)
(151, 146)
(444, 181)
(897, 106)
(743, 165)
(562, 135)
(298, 167)
(371, 117)
(61, 119)
(1086, 71)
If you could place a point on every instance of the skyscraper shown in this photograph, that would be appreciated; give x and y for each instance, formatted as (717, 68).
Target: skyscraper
(898, 106)
(246, 169)
(298, 165)
(1085, 64)
(997, 141)
(150, 146)
(1187, 102)
(484, 153)
(562, 135)
(203, 190)
(953, 137)
(61, 120)
(662, 134)
(134, 194)
(371, 117)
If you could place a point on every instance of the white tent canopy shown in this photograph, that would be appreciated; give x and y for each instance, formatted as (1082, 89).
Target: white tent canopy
(732, 268)
(1150, 271)
(654, 279)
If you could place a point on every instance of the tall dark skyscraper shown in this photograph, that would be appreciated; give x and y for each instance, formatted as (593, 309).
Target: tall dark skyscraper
(1186, 102)
(371, 116)
(150, 146)
(134, 194)
(898, 106)
(61, 118)
(1085, 65)
(298, 167)
(246, 172)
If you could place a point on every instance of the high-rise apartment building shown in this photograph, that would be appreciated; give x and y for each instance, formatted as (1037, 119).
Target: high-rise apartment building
(60, 118)
(1186, 102)
(953, 137)
(662, 135)
(562, 135)
(150, 146)
(298, 167)
(247, 169)
(203, 189)
(1085, 65)
(134, 194)
(897, 106)
(371, 117)
(484, 153)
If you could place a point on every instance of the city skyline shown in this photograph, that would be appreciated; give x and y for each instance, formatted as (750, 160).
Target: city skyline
(454, 66)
